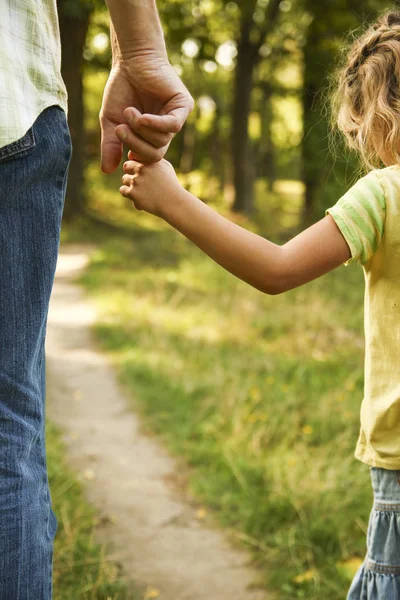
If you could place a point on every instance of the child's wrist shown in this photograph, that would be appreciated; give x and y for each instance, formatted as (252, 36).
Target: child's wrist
(172, 209)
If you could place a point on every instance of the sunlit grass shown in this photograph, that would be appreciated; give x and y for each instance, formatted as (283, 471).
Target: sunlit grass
(260, 395)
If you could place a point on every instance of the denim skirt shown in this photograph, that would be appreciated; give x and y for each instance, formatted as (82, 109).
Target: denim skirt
(378, 578)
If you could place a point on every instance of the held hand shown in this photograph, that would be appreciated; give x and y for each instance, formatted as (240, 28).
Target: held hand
(152, 188)
(144, 105)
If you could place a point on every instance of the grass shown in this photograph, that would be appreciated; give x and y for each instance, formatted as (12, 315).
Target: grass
(259, 395)
(81, 568)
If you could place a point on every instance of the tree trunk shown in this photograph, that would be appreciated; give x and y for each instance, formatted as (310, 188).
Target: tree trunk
(323, 178)
(189, 143)
(73, 30)
(315, 157)
(266, 165)
(217, 150)
(250, 41)
(243, 177)
(310, 166)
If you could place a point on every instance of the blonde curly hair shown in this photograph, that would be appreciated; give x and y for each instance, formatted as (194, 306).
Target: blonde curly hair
(366, 103)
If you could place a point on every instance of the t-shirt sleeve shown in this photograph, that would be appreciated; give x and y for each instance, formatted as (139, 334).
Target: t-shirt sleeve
(360, 215)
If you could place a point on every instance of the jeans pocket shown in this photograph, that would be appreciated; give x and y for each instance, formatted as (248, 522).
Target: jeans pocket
(19, 147)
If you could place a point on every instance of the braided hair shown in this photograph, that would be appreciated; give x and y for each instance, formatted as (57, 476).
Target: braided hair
(366, 104)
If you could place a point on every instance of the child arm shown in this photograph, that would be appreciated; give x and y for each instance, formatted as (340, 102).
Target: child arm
(270, 268)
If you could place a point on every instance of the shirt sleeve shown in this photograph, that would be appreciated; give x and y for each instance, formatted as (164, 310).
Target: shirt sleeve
(360, 216)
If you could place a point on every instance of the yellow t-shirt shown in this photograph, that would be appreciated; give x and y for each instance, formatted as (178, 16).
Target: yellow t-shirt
(368, 216)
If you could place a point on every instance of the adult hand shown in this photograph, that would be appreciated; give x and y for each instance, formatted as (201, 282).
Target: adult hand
(144, 105)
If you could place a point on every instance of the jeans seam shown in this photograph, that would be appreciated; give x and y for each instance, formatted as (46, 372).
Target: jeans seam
(26, 142)
(381, 568)
(386, 506)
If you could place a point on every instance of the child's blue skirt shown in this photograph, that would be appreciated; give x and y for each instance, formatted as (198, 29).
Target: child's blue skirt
(378, 578)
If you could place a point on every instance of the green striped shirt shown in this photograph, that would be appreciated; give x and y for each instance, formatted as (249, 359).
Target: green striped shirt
(360, 216)
(30, 65)
(368, 216)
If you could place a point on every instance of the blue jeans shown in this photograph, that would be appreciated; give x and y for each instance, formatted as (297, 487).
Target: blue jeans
(33, 173)
(378, 578)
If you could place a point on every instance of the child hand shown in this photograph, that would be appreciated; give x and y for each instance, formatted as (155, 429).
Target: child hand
(151, 187)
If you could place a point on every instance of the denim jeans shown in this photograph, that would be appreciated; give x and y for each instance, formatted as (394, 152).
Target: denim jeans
(33, 173)
(378, 578)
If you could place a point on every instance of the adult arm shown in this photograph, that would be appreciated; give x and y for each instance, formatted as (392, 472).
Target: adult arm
(144, 103)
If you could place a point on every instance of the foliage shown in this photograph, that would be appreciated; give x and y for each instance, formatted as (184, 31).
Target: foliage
(326, 37)
(75, 8)
(292, 61)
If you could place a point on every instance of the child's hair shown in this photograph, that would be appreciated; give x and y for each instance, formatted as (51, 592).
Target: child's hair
(366, 103)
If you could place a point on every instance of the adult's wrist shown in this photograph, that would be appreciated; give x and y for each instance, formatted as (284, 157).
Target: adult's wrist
(137, 27)
(131, 59)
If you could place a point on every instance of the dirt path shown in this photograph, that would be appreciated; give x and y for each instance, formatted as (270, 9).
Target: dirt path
(157, 536)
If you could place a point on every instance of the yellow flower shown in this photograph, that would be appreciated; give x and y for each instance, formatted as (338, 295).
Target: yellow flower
(306, 576)
(151, 593)
(307, 429)
(285, 387)
(257, 416)
(252, 418)
(255, 394)
(201, 513)
(89, 474)
(270, 379)
(350, 566)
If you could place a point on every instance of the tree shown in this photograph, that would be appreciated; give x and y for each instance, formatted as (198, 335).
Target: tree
(255, 24)
(74, 17)
(324, 175)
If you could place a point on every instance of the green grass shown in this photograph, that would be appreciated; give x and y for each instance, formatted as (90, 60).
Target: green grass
(259, 395)
(81, 568)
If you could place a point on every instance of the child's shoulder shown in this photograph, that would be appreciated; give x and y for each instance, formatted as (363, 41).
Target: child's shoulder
(392, 171)
(382, 175)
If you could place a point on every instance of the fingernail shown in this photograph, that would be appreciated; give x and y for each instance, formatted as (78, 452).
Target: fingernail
(122, 133)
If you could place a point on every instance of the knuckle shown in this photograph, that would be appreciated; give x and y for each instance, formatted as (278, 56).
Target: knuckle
(167, 138)
(159, 154)
(177, 127)
(135, 126)
(159, 143)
